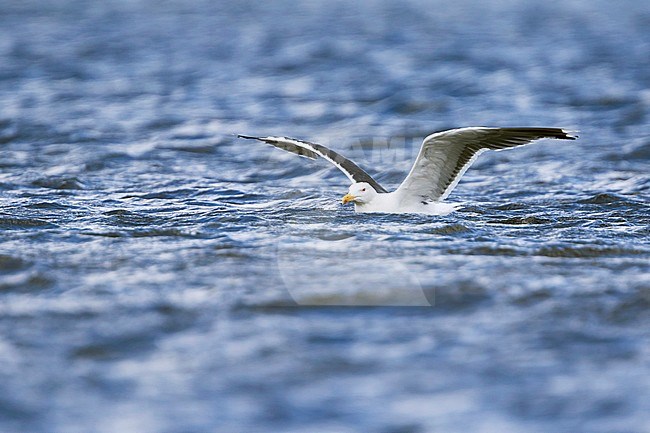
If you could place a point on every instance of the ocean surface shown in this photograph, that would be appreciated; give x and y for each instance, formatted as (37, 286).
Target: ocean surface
(159, 275)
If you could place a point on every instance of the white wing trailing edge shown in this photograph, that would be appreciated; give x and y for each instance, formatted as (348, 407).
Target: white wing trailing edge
(313, 151)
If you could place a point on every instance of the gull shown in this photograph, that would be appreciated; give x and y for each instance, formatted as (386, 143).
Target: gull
(443, 159)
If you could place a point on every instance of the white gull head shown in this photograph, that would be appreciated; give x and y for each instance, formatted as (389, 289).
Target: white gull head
(360, 193)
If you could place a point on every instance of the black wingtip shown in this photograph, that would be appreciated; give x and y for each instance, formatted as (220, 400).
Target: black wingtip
(570, 135)
(558, 133)
(248, 137)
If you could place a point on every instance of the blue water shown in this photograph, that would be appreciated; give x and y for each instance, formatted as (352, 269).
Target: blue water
(158, 275)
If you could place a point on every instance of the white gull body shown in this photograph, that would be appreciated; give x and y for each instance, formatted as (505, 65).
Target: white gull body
(443, 159)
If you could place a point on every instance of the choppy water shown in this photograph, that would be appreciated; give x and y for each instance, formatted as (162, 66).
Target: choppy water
(152, 265)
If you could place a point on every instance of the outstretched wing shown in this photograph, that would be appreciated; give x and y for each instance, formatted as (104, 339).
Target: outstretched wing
(313, 151)
(445, 156)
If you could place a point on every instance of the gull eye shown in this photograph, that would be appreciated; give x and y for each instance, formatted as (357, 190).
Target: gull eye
(363, 190)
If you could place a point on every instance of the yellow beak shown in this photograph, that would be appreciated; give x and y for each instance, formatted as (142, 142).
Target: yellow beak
(347, 198)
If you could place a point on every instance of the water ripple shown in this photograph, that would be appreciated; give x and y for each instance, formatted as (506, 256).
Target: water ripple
(157, 267)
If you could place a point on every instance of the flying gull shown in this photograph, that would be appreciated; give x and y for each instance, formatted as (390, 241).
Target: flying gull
(443, 159)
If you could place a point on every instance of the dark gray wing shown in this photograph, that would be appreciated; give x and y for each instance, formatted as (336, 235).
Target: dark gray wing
(445, 156)
(313, 151)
